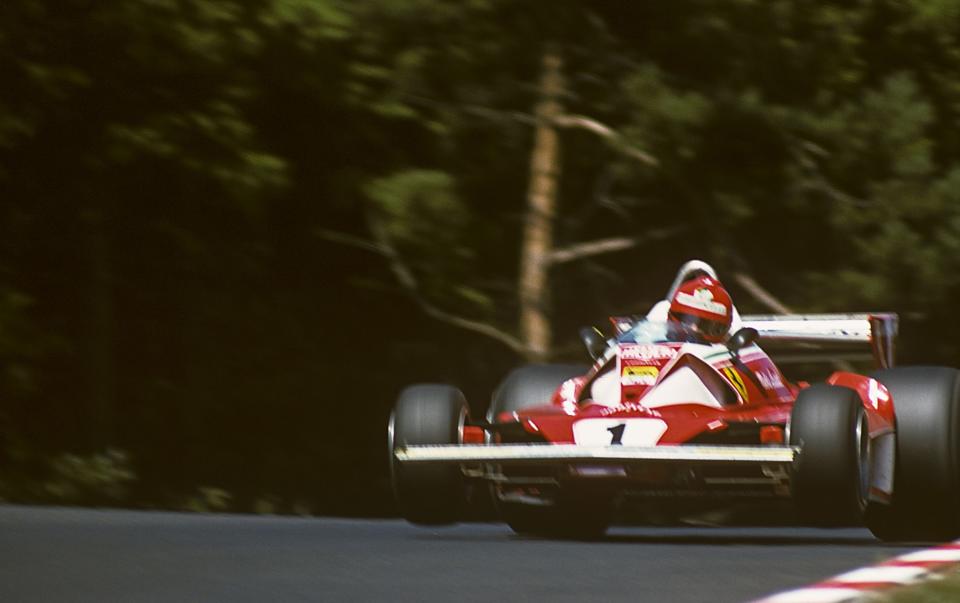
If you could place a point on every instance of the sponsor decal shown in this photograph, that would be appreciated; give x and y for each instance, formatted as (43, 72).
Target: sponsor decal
(638, 370)
(770, 379)
(639, 375)
(647, 352)
(736, 380)
(630, 407)
(702, 299)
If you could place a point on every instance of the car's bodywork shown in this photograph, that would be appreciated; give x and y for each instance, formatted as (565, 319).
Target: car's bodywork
(656, 418)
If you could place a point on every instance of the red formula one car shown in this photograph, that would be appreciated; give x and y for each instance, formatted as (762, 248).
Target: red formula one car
(673, 429)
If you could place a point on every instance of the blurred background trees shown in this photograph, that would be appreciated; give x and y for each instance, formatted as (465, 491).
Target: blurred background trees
(231, 231)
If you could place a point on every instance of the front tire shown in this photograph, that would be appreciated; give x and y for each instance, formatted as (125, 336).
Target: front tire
(570, 514)
(423, 415)
(529, 386)
(926, 489)
(832, 478)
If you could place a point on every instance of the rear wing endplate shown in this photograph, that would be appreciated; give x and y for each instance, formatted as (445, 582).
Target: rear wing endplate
(822, 335)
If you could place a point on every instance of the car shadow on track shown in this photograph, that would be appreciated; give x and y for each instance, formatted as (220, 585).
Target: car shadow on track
(711, 536)
(726, 538)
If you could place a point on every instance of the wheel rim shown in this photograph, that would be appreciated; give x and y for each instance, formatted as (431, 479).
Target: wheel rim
(864, 459)
(392, 460)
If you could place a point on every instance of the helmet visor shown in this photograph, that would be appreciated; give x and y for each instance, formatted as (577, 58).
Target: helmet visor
(709, 329)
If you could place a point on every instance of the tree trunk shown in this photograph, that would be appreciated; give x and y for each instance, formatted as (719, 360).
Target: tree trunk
(537, 245)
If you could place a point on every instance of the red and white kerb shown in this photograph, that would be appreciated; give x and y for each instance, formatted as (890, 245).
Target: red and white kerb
(861, 584)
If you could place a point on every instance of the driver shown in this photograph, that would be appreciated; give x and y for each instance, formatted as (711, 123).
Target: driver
(691, 271)
(697, 310)
(701, 311)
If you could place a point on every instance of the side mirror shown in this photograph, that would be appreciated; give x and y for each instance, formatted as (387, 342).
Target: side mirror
(594, 341)
(741, 339)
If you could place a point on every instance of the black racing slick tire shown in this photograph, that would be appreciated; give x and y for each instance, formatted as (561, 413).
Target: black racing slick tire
(564, 513)
(427, 414)
(926, 486)
(831, 480)
(531, 385)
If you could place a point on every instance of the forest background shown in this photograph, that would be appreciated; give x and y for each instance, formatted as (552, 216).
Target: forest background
(231, 231)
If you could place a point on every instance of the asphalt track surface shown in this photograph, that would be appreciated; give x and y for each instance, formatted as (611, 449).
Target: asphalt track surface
(53, 554)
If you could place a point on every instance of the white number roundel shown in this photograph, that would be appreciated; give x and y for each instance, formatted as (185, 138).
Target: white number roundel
(613, 432)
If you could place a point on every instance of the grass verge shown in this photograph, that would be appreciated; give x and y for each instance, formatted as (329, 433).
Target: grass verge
(943, 590)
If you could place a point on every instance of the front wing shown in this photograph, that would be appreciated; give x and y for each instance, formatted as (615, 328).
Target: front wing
(532, 454)
(682, 470)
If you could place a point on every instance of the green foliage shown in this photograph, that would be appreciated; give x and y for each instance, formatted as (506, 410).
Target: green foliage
(896, 225)
(942, 590)
(309, 20)
(664, 118)
(19, 344)
(267, 505)
(100, 478)
(422, 214)
(208, 500)
(164, 165)
(417, 204)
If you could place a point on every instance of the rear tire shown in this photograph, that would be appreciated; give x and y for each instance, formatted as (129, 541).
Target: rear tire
(832, 478)
(423, 415)
(926, 490)
(573, 514)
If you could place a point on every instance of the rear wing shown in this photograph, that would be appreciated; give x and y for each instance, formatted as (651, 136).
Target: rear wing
(814, 337)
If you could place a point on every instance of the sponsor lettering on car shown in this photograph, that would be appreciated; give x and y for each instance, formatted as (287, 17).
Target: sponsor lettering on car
(647, 352)
(630, 407)
(770, 379)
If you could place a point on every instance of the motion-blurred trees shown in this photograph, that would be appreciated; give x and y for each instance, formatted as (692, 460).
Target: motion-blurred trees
(178, 181)
(524, 88)
(135, 186)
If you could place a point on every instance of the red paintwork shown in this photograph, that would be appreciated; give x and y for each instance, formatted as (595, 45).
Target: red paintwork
(760, 392)
(684, 421)
(473, 435)
(772, 434)
(876, 399)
